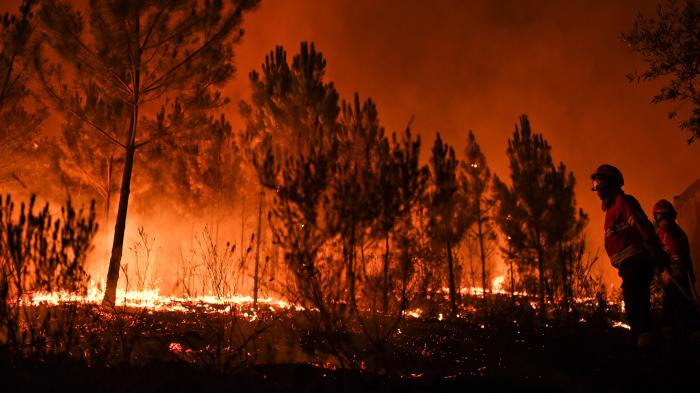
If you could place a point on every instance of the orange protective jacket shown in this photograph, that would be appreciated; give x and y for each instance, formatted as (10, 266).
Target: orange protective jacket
(628, 231)
(675, 243)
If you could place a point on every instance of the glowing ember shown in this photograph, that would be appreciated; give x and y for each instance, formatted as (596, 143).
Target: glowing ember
(621, 325)
(415, 313)
(175, 347)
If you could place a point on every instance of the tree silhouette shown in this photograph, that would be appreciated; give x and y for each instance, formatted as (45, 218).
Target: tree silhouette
(399, 189)
(448, 217)
(292, 128)
(409, 183)
(339, 184)
(537, 212)
(476, 183)
(388, 209)
(566, 230)
(354, 201)
(374, 190)
(157, 57)
(40, 251)
(669, 45)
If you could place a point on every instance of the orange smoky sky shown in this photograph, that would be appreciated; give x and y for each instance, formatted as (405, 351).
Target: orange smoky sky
(459, 65)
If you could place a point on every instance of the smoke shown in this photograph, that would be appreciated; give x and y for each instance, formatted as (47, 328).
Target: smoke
(459, 65)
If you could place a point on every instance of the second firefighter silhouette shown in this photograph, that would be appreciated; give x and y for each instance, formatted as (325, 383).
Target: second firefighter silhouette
(633, 248)
(679, 294)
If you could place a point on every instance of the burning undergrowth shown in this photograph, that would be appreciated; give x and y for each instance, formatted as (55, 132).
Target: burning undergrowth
(52, 314)
(230, 336)
(226, 334)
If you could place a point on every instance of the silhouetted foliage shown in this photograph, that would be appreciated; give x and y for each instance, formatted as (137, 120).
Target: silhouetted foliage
(341, 189)
(398, 184)
(670, 45)
(40, 252)
(537, 212)
(292, 126)
(476, 183)
(448, 215)
(567, 230)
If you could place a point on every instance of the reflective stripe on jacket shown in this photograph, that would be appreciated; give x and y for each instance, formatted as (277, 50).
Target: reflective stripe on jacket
(628, 231)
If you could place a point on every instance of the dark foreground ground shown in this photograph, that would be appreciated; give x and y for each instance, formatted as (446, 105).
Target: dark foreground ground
(617, 374)
(427, 356)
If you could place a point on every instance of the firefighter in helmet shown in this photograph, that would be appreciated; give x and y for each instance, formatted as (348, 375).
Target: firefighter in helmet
(678, 306)
(633, 248)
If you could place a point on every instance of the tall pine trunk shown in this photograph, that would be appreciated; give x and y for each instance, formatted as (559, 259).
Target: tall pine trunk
(483, 265)
(385, 300)
(242, 247)
(110, 296)
(512, 276)
(256, 274)
(108, 199)
(480, 233)
(540, 272)
(451, 274)
(350, 261)
(566, 293)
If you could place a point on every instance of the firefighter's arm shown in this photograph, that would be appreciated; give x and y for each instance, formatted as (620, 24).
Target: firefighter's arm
(668, 273)
(676, 259)
(638, 220)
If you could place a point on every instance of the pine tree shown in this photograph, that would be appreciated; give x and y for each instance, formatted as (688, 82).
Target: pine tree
(292, 128)
(537, 212)
(410, 183)
(156, 56)
(387, 204)
(566, 230)
(476, 183)
(355, 196)
(449, 218)
(399, 187)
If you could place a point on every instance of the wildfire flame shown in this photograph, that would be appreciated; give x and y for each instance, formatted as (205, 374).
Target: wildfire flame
(621, 325)
(153, 300)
